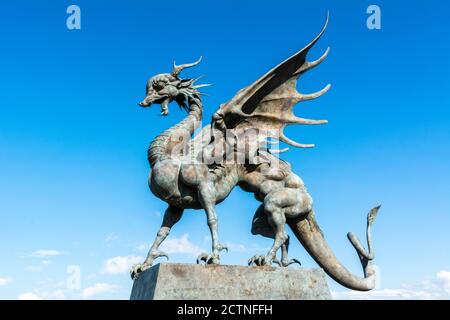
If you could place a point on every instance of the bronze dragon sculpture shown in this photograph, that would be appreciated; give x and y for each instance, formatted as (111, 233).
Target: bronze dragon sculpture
(199, 172)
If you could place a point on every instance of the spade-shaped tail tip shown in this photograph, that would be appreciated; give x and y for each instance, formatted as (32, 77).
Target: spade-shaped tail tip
(373, 214)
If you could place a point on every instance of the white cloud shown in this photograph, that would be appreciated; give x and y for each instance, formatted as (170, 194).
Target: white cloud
(437, 288)
(46, 253)
(57, 295)
(91, 276)
(120, 264)
(98, 288)
(52, 295)
(181, 245)
(35, 268)
(238, 247)
(50, 289)
(157, 213)
(5, 281)
(386, 294)
(111, 237)
(42, 295)
(444, 277)
(142, 247)
(39, 268)
(29, 296)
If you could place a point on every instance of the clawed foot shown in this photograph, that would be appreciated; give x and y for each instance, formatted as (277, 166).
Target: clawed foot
(137, 269)
(287, 263)
(208, 258)
(212, 258)
(260, 260)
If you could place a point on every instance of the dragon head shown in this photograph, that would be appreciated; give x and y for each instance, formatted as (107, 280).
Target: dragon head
(167, 87)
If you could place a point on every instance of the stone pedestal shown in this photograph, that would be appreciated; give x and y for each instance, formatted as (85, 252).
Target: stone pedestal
(199, 282)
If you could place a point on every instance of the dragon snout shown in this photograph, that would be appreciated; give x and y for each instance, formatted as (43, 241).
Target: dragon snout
(145, 103)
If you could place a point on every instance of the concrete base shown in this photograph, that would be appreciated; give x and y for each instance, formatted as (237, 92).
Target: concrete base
(173, 281)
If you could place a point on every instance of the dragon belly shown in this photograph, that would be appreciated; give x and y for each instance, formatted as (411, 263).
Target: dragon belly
(167, 183)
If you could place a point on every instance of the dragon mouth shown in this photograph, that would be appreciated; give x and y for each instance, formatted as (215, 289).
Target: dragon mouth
(152, 99)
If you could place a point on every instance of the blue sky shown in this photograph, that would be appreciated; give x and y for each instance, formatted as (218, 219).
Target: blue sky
(73, 168)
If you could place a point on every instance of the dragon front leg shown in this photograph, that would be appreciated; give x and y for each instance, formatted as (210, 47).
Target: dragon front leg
(171, 216)
(206, 194)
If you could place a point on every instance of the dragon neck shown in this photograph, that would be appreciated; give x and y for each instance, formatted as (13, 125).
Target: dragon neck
(162, 146)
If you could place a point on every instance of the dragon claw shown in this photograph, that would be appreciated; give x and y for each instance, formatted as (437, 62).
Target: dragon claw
(222, 247)
(156, 254)
(208, 258)
(252, 261)
(279, 263)
(162, 254)
(260, 261)
(287, 263)
(137, 269)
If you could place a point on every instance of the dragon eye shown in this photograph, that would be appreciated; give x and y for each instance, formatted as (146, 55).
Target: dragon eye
(159, 84)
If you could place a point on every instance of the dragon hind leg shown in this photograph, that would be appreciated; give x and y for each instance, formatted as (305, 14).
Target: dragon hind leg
(285, 261)
(261, 226)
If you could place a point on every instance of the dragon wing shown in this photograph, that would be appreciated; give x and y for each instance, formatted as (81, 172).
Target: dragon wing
(267, 104)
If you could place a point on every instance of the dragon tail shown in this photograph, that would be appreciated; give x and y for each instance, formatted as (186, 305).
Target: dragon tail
(309, 234)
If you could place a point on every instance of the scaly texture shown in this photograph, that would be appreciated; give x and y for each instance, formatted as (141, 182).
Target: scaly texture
(160, 147)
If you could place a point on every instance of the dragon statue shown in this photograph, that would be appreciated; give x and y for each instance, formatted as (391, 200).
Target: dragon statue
(199, 172)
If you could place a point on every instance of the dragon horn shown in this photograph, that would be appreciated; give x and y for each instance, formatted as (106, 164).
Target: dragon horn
(177, 69)
(198, 86)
